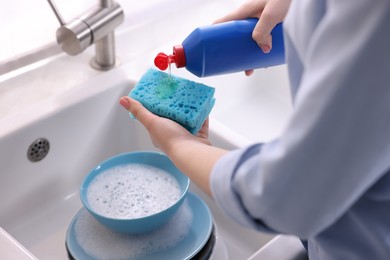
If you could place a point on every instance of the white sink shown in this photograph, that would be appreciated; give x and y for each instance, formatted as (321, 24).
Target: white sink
(83, 126)
(76, 109)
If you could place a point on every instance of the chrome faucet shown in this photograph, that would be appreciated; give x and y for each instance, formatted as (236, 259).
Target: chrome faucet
(95, 26)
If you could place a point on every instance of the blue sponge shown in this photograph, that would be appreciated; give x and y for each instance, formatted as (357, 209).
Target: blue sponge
(187, 102)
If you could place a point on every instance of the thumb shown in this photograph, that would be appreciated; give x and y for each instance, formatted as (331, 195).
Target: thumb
(138, 111)
(273, 13)
(262, 33)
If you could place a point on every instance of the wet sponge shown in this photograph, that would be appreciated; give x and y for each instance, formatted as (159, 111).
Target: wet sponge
(184, 101)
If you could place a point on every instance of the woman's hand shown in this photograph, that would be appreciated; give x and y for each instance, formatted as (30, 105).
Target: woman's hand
(163, 132)
(269, 12)
(192, 154)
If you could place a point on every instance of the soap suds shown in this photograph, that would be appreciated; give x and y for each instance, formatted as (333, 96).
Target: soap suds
(101, 243)
(132, 191)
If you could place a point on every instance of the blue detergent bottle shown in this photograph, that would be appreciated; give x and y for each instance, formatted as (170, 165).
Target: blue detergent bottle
(224, 48)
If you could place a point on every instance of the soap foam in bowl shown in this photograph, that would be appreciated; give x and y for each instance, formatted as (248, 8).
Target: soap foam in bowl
(134, 193)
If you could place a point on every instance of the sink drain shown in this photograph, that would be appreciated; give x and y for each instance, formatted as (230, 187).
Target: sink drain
(38, 150)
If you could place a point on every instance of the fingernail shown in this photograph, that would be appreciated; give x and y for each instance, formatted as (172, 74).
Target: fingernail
(266, 48)
(125, 102)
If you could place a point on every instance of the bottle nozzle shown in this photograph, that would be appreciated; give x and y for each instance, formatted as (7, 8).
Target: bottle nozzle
(178, 57)
(161, 61)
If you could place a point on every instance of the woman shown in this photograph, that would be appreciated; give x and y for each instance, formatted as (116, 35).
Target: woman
(327, 178)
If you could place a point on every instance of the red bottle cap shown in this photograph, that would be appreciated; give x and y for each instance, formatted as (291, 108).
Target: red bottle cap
(161, 61)
(178, 57)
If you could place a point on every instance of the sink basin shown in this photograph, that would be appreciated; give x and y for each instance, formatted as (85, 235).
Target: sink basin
(75, 109)
(83, 126)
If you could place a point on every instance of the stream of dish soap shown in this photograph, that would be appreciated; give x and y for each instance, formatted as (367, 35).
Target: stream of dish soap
(167, 84)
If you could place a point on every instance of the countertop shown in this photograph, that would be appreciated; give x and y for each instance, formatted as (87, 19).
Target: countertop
(10, 249)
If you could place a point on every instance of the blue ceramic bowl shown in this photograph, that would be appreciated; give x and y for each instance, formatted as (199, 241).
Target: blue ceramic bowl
(144, 224)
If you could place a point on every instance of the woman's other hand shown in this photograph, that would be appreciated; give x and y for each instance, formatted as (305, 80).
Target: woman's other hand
(269, 13)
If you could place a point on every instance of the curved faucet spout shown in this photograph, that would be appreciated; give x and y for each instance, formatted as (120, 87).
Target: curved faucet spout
(95, 26)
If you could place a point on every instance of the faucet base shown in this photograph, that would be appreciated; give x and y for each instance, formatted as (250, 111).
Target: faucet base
(103, 67)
